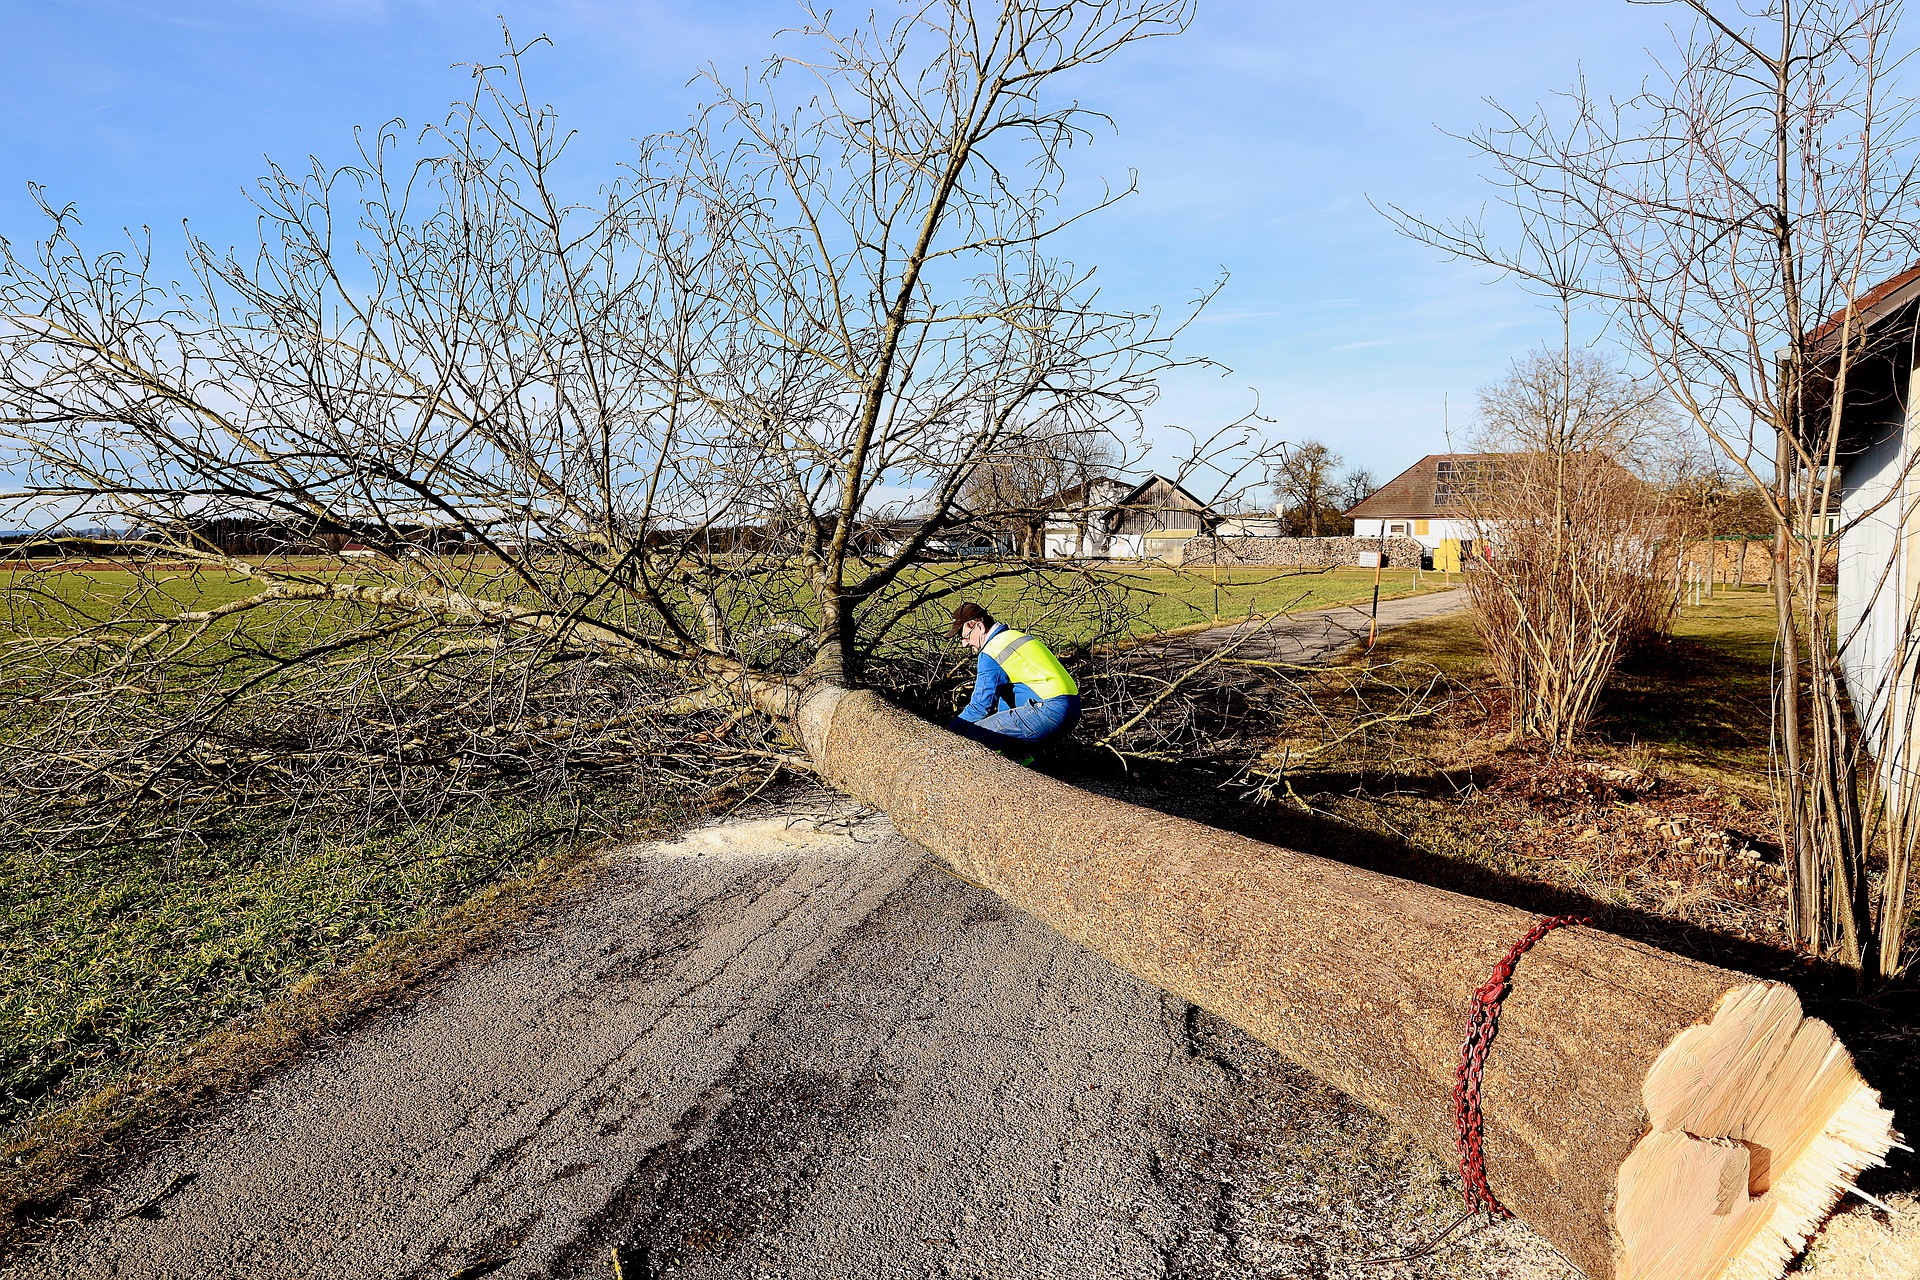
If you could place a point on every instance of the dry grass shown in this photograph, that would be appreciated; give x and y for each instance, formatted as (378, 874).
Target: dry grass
(1866, 1243)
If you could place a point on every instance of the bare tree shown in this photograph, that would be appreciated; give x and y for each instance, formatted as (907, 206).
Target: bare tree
(1304, 480)
(1032, 475)
(1570, 400)
(617, 463)
(1577, 545)
(1353, 487)
(1730, 216)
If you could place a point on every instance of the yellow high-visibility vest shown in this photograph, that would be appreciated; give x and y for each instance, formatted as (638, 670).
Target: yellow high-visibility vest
(1029, 662)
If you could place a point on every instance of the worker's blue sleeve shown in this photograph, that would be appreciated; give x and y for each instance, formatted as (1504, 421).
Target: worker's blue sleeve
(990, 685)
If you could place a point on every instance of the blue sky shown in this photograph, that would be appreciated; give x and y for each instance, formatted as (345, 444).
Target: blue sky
(1258, 136)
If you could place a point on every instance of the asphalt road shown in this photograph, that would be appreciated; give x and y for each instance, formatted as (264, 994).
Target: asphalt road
(786, 1045)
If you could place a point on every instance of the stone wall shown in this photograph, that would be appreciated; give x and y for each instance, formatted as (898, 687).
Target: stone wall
(1300, 553)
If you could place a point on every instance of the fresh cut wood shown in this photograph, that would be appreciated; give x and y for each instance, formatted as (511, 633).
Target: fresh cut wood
(1653, 1117)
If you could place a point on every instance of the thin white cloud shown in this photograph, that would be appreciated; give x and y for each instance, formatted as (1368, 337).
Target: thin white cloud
(1401, 340)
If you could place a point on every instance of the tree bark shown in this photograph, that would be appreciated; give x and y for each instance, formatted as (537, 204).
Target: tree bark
(1364, 979)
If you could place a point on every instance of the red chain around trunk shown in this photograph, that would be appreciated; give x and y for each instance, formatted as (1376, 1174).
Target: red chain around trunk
(1481, 1027)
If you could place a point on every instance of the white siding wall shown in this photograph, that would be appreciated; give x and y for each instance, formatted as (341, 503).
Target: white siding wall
(1064, 544)
(1873, 580)
(1436, 529)
(1068, 543)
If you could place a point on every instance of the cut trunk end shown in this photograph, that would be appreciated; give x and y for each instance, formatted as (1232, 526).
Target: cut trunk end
(1759, 1125)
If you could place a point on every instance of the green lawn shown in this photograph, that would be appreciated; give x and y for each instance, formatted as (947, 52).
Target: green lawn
(1702, 697)
(1071, 606)
(40, 601)
(1152, 599)
(1076, 607)
(1187, 597)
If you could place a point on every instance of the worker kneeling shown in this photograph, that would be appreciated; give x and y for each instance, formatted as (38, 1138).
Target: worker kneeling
(1022, 696)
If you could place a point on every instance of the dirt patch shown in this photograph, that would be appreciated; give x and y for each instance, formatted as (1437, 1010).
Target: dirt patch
(1702, 854)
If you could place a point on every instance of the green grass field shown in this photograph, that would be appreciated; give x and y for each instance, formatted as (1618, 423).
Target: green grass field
(1702, 697)
(1059, 604)
(1699, 698)
(1154, 599)
(114, 958)
(43, 601)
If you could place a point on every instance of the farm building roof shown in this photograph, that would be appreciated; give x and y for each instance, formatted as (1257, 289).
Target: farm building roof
(1423, 489)
(1877, 361)
(1874, 306)
(1080, 495)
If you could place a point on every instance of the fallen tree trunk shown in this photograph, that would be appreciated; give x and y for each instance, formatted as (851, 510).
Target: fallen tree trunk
(1653, 1117)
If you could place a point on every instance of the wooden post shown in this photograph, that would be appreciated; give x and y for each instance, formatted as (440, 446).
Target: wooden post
(1216, 577)
(1373, 622)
